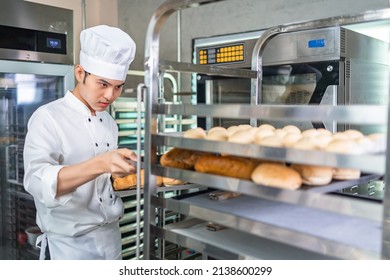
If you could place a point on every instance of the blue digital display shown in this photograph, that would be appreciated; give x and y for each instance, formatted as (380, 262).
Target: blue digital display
(319, 43)
(53, 43)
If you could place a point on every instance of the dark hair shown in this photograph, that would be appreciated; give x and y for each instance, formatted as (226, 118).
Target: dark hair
(86, 74)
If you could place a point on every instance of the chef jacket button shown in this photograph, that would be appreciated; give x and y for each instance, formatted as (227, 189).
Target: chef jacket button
(101, 200)
(89, 119)
(108, 144)
(101, 120)
(96, 144)
(110, 195)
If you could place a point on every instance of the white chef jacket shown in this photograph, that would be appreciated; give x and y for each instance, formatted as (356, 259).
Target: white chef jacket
(82, 224)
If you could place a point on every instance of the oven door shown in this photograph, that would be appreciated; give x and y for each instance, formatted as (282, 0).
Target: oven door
(314, 83)
(24, 86)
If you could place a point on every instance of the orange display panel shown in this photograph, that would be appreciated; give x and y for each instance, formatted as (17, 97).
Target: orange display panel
(222, 54)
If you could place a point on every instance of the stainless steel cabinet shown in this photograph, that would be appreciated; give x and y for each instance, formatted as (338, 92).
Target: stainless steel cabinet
(263, 223)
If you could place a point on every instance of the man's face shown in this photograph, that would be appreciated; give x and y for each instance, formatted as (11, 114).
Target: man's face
(98, 92)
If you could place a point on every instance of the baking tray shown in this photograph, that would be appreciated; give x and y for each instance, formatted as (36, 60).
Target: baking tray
(133, 191)
(235, 184)
(336, 185)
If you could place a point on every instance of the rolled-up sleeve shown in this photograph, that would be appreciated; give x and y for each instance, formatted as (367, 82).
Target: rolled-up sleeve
(42, 156)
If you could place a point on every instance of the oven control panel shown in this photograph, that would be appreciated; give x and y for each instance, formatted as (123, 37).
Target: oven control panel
(221, 54)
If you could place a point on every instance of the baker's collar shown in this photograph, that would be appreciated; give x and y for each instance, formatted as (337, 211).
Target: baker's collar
(78, 105)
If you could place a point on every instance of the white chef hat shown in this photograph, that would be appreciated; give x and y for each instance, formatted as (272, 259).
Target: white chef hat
(106, 51)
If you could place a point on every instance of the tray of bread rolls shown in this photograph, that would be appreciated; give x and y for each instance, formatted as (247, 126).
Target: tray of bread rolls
(314, 160)
(127, 185)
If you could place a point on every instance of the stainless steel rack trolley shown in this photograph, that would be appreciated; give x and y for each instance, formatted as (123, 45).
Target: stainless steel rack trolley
(263, 223)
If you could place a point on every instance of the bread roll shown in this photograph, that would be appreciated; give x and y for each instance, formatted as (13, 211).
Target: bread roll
(180, 158)
(195, 133)
(217, 135)
(276, 175)
(172, 181)
(130, 181)
(305, 143)
(216, 128)
(266, 127)
(290, 139)
(230, 166)
(260, 134)
(346, 173)
(271, 141)
(314, 175)
(310, 132)
(292, 129)
(379, 142)
(375, 136)
(340, 135)
(353, 134)
(241, 136)
(232, 129)
(365, 143)
(323, 131)
(244, 126)
(322, 140)
(280, 133)
(344, 146)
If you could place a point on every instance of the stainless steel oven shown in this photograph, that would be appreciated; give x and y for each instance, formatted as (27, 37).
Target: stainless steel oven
(329, 66)
(36, 67)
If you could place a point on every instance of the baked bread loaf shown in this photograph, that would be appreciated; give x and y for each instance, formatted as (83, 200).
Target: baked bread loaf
(130, 181)
(180, 158)
(314, 175)
(276, 175)
(230, 166)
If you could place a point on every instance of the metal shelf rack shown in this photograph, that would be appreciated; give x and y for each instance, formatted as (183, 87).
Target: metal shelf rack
(300, 222)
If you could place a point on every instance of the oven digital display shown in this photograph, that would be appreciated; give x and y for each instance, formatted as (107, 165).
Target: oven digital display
(319, 43)
(222, 54)
(53, 43)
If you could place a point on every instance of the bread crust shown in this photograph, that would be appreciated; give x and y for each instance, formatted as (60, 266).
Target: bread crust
(230, 166)
(180, 158)
(130, 181)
